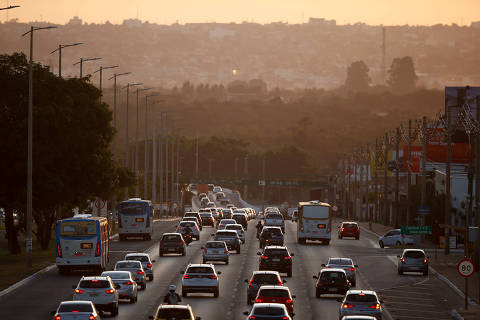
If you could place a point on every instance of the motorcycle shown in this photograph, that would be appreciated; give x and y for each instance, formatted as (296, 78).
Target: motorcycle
(188, 238)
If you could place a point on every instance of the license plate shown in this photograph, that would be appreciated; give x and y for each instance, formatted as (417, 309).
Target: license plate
(139, 220)
(171, 250)
(275, 260)
(78, 254)
(216, 252)
(93, 294)
(315, 231)
(332, 289)
(86, 245)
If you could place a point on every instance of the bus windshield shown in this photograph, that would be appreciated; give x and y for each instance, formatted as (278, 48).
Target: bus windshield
(132, 208)
(316, 212)
(78, 228)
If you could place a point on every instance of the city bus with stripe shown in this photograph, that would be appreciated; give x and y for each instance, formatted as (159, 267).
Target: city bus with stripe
(82, 242)
(314, 222)
(135, 219)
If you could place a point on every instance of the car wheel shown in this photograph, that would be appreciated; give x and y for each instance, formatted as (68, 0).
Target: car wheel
(143, 286)
(317, 293)
(400, 272)
(398, 243)
(183, 252)
(339, 237)
(289, 273)
(184, 293)
(357, 238)
(216, 293)
(380, 243)
(115, 310)
(150, 277)
(226, 261)
(238, 250)
(133, 300)
(425, 273)
(249, 300)
(260, 245)
(353, 283)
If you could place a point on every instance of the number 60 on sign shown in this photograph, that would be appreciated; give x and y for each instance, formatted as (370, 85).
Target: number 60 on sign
(466, 268)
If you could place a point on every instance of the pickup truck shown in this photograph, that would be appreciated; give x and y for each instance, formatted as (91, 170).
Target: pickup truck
(275, 220)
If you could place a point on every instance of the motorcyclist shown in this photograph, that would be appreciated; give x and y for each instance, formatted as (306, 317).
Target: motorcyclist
(188, 230)
(266, 236)
(172, 297)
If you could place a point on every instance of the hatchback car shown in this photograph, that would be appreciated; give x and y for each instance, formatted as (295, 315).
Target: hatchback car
(260, 278)
(349, 229)
(194, 220)
(135, 267)
(126, 285)
(215, 251)
(76, 310)
(169, 311)
(230, 237)
(227, 213)
(271, 236)
(172, 243)
(270, 311)
(331, 281)
(413, 260)
(275, 220)
(361, 302)
(394, 237)
(193, 226)
(276, 294)
(239, 229)
(99, 290)
(207, 219)
(276, 258)
(195, 215)
(211, 204)
(202, 195)
(224, 222)
(345, 264)
(204, 202)
(200, 278)
(144, 258)
(241, 218)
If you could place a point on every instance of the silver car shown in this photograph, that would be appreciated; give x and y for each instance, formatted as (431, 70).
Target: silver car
(127, 287)
(200, 278)
(394, 237)
(345, 264)
(413, 260)
(223, 223)
(76, 310)
(135, 267)
(99, 290)
(361, 302)
(215, 251)
(192, 225)
(147, 263)
(239, 228)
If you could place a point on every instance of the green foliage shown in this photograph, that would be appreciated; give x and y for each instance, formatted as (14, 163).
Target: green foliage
(357, 77)
(401, 76)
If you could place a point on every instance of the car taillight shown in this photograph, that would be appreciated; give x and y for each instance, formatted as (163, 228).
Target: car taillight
(287, 258)
(403, 260)
(425, 260)
(346, 306)
(213, 277)
(110, 291)
(288, 301)
(139, 272)
(220, 226)
(258, 300)
(351, 269)
(225, 251)
(280, 283)
(285, 318)
(79, 291)
(251, 317)
(375, 306)
(97, 252)
(264, 257)
(128, 282)
(179, 228)
(59, 250)
(181, 242)
(205, 250)
(341, 229)
(149, 265)
(186, 276)
(92, 317)
(58, 318)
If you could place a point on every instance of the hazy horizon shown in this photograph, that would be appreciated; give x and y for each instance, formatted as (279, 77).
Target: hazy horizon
(387, 12)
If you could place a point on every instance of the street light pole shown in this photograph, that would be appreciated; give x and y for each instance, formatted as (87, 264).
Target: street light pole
(115, 75)
(136, 144)
(28, 235)
(82, 60)
(145, 184)
(59, 49)
(100, 70)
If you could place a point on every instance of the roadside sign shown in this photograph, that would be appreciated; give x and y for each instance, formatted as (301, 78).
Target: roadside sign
(100, 204)
(423, 211)
(465, 268)
(261, 182)
(408, 230)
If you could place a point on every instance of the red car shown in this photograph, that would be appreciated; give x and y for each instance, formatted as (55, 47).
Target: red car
(276, 294)
(349, 229)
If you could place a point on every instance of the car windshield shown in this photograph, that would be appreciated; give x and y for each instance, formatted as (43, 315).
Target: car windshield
(117, 275)
(329, 275)
(274, 231)
(361, 297)
(173, 314)
(132, 208)
(414, 254)
(228, 221)
(273, 293)
(199, 270)
(128, 265)
(265, 278)
(94, 284)
(233, 227)
(74, 307)
(171, 237)
(272, 311)
(138, 258)
(276, 253)
(274, 216)
(205, 214)
(349, 225)
(340, 262)
(215, 245)
(187, 223)
(226, 234)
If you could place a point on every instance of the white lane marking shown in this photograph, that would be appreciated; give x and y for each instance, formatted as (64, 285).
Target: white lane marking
(422, 305)
(388, 296)
(416, 310)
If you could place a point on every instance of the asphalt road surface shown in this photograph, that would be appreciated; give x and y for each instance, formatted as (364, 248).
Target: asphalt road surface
(405, 297)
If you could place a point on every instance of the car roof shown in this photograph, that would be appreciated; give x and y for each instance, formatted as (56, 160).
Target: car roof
(127, 261)
(201, 265)
(269, 305)
(172, 234)
(341, 259)
(234, 224)
(77, 302)
(349, 222)
(265, 272)
(358, 317)
(174, 306)
(412, 249)
(332, 270)
(95, 278)
(275, 247)
(116, 271)
(215, 241)
(272, 227)
(275, 287)
(137, 254)
(358, 291)
(226, 230)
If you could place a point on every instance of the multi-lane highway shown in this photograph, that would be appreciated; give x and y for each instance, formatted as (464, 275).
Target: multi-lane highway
(405, 297)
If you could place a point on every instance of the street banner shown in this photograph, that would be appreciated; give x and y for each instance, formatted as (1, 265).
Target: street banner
(415, 158)
(437, 148)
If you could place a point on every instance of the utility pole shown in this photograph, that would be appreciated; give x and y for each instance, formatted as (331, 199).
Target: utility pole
(349, 196)
(397, 178)
(115, 75)
(145, 165)
(166, 160)
(154, 157)
(264, 183)
(344, 185)
(82, 60)
(137, 193)
(447, 184)
(160, 158)
(177, 172)
(196, 157)
(376, 180)
(385, 181)
(172, 184)
(100, 70)
(424, 160)
(354, 190)
(245, 187)
(409, 171)
(59, 49)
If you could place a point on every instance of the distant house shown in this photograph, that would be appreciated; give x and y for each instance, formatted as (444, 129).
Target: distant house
(322, 22)
(475, 24)
(132, 23)
(75, 21)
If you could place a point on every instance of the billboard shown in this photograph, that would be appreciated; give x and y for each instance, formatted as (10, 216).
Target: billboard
(455, 99)
(437, 148)
(415, 158)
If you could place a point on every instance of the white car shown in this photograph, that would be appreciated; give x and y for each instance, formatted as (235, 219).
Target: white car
(99, 290)
(217, 189)
(147, 263)
(237, 227)
(127, 285)
(193, 226)
(211, 204)
(224, 222)
(76, 310)
(275, 220)
(135, 267)
(394, 238)
(200, 278)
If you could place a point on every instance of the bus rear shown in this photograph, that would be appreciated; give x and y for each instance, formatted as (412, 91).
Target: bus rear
(135, 219)
(314, 222)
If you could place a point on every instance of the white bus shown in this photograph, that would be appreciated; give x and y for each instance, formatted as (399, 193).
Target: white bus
(314, 222)
(82, 242)
(135, 219)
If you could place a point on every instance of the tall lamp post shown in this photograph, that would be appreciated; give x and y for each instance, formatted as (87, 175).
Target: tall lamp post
(28, 235)
(82, 60)
(145, 187)
(100, 70)
(136, 143)
(59, 49)
(114, 77)
(126, 130)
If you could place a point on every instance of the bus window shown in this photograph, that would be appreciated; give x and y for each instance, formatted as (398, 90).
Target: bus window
(78, 228)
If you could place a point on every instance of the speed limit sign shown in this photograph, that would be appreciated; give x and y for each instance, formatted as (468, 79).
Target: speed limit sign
(466, 268)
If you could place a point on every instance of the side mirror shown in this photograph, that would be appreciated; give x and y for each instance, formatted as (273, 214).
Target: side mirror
(219, 272)
(213, 234)
(246, 313)
(74, 287)
(315, 277)
(246, 280)
(294, 296)
(323, 265)
(356, 265)
(182, 272)
(339, 299)
(292, 254)
(381, 301)
(259, 253)
(398, 256)
(153, 261)
(53, 313)
(293, 314)
(284, 280)
(150, 317)
(117, 286)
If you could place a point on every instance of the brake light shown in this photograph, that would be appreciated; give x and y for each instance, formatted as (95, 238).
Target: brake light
(346, 306)
(425, 260)
(403, 260)
(221, 226)
(186, 276)
(213, 277)
(264, 257)
(97, 252)
(110, 291)
(139, 272)
(74, 310)
(351, 269)
(181, 242)
(79, 291)
(251, 317)
(205, 250)
(92, 317)
(341, 229)
(58, 318)
(288, 301)
(94, 280)
(287, 258)
(285, 318)
(59, 250)
(225, 251)
(179, 228)
(128, 282)
(149, 265)
(375, 306)
(258, 300)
